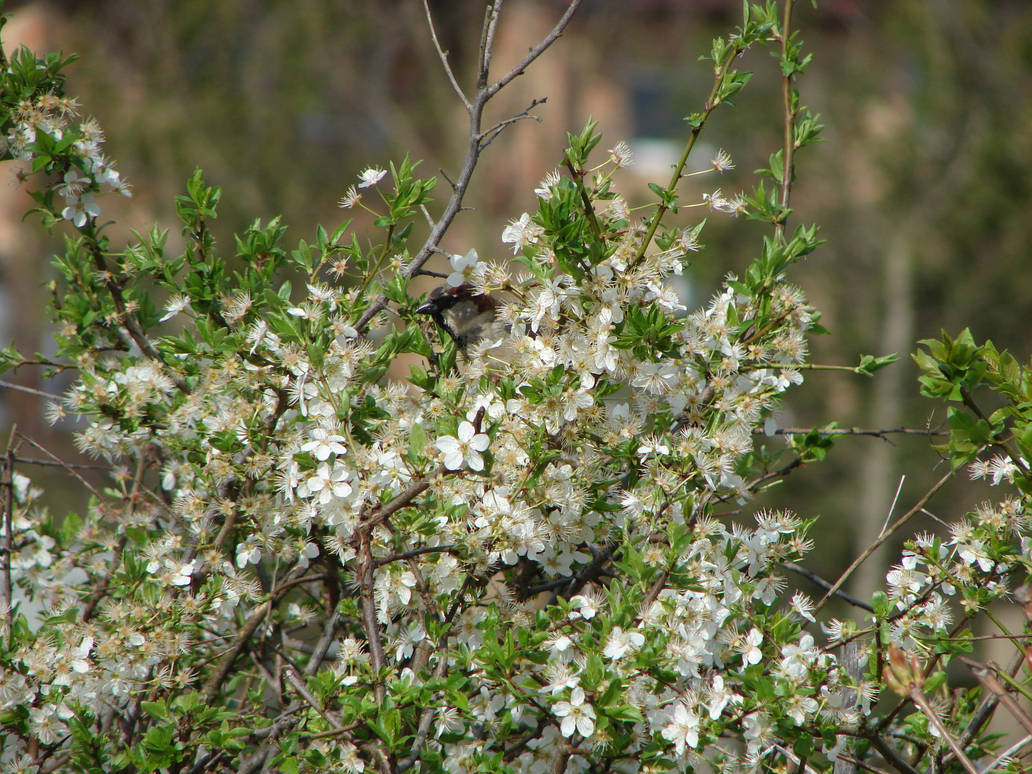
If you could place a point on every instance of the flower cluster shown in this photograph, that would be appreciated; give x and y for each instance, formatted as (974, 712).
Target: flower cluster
(47, 120)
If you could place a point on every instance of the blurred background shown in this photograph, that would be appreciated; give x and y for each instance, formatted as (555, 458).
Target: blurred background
(921, 189)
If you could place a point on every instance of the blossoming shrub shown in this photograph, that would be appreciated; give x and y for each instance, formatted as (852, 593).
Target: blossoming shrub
(520, 558)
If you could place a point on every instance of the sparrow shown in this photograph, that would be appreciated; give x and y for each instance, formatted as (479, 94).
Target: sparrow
(465, 315)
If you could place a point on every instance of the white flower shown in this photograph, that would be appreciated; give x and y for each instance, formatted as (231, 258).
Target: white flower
(74, 184)
(520, 233)
(719, 697)
(371, 177)
(462, 268)
(328, 482)
(620, 643)
(589, 605)
(247, 553)
(464, 448)
(181, 575)
(576, 715)
(621, 155)
(652, 445)
(683, 728)
(802, 605)
(722, 161)
(797, 659)
(324, 443)
(80, 655)
(80, 210)
(349, 199)
(751, 653)
(544, 189)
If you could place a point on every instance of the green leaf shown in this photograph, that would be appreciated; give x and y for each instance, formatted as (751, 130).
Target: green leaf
(870, 363)
(156, 709)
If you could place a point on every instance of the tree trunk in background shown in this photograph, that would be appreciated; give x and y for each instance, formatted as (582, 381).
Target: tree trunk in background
(880, 474)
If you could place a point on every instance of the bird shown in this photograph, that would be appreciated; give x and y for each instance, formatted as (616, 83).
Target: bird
(466, 316)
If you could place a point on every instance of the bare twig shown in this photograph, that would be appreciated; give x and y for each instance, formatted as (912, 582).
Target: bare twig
(890, 755)
(488, 135)
(380, 515)
(885, 536)
(372, 628)
(424, 722)
(299, 685)
(322, 647)
(475, 143)
(825, 585)
(415, 552)
(28, 390)
(1010, 751)
(101, 590)
(988, 707)
(892, 507)
(917, 696)
(60, 462)
(991, 683)
(444, 56)
(876, 433)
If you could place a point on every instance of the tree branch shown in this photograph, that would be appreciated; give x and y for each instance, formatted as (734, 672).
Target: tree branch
(885, 536)
(443, 56)
(474, 145)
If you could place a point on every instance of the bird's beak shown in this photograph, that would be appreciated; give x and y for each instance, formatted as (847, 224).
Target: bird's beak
(427, 308)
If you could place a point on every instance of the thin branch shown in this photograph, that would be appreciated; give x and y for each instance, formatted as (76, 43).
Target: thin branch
(488, 136)
(855, 431)
(62, 463)
(818, 580)
(379, 515)
(132, 325)
(443, 56)
(988, 707)
(885, 536)
(487, 35)
(101, 590)
(322, 647)
(28, 390)
(787, 104)
(890, 755)
(892, 506)
(248, 628)
(59, 464)
(918, 697)
(474, 145)
(991, 683)
(295, 680)
(415, 552)
(1010, 751)
(372, 628)
(425, 721)
(537, 51)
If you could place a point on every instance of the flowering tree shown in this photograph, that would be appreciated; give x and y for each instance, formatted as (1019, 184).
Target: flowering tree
(526, 556)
